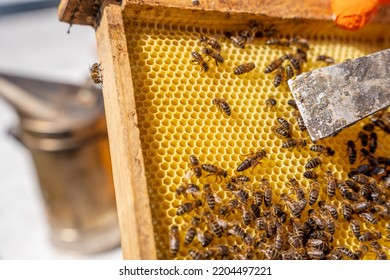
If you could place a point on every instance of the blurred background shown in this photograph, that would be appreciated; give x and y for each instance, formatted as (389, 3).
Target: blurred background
(35, 45)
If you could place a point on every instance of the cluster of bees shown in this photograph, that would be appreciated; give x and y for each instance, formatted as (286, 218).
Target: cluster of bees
(292, 225)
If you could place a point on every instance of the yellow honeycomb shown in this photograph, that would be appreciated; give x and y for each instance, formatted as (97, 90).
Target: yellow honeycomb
(177, 119)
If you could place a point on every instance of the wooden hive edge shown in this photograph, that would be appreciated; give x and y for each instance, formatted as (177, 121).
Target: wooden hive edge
(131, 192)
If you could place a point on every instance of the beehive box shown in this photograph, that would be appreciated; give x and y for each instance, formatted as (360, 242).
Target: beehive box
(159, 112)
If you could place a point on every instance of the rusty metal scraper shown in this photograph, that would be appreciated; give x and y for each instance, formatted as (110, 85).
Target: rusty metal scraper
(334, 97)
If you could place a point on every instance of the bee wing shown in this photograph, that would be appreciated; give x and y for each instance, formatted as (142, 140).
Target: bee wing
(222, 223)
(188, 175)
(217, 198)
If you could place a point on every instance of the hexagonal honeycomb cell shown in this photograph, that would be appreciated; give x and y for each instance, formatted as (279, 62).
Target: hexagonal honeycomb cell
(177, 118)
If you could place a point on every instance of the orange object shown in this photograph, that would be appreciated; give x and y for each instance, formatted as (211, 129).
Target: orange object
(354, 14)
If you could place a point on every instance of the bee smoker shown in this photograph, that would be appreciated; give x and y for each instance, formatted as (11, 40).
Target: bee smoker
(64, 129)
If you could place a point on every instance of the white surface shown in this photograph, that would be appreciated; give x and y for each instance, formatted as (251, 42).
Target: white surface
(36, 45)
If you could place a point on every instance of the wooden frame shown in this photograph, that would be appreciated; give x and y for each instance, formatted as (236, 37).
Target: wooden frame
(108, 18)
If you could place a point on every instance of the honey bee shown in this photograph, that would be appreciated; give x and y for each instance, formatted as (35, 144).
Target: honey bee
(188, 206)
(267, 192)
(330, 225)
(294, 206)
(299, 119)
(292, 103)
(321, 149)
(195, 255)
(300, 42)
(344, 190)
(346, 252)
(382, 210)
(198, 58)
(309, 174)
(289, 72)
(378, 198)
(244, 68)
(313, 163)
(329, 60)
(96, 74)
(300, 193)
(214, 225)
(352, 185)
(210, 197)
(246, 216)
(347, 210)
(261, 223)
(281, 131)
(278, 212)
(282, 42)
(292, 143)
(369, 217)
(295, 241)
(205, 238)
(270, 102)
(284, 123)
(363, 138)
(369, 127)
(382, 120)
(272, 253)
(365, 191)
(361, 207)
(195, 221)
(370, 235)
(255, 210)
(318, 244)
(352, 153)
(258, 197)
(214, 170)
(190, 235)
(380, 253)
(181, 190)
(193, 189)
(363, 250)
(355, 228)
(279, 75)
(240, 178)
(270, 228)
(236, 230)
(280, 237)
(362, 179)
(211, 41)
(373, 142)
(297, 60)
(275, 64)
(217, 251)
(316, 219)
(213, 54)
(174, 241)
(330, 208)
(314, 192)
(242, 195)
(238, 41)
(335, 255)
(253, 159)
(226, 210)
(321, 234)
(222, 105)
(195, 166)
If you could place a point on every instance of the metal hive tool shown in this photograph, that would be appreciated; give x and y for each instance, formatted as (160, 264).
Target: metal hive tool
(334, 97)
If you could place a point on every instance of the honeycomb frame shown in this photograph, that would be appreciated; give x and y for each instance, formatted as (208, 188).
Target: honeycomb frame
(177, 119)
